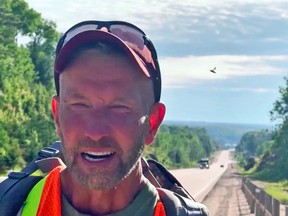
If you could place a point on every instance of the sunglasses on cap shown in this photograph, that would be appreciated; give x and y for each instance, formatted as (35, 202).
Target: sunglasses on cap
(129, 35)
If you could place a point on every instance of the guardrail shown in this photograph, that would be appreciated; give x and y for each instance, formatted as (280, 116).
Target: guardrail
(261, 203)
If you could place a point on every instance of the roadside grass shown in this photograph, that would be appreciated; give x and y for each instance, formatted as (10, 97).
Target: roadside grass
(278, 191)
(275, 188)
(3, 174)
(248, 173)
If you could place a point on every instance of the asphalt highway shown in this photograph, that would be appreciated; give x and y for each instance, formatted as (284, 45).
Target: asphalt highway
(198, 181)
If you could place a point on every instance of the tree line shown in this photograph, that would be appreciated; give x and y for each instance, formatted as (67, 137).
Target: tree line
(26, 87)
(180, 146)
(26, 83)
(265, 152)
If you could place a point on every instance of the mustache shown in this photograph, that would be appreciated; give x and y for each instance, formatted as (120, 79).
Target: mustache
(104, 142)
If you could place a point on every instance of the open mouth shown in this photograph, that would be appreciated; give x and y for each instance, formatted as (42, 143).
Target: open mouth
(96, 156)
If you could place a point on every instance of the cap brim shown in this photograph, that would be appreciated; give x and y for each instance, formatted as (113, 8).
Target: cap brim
(91, 36)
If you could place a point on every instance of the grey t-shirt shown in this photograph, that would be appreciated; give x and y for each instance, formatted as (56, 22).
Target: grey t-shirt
(143, 204)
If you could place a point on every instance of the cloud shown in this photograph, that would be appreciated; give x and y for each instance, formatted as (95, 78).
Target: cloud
(180, 72)
(247, 89)
(196, 27)
(159, 12)
(255, 90)
(191, 37)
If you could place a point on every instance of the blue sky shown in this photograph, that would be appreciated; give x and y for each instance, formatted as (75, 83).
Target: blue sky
(246, 41)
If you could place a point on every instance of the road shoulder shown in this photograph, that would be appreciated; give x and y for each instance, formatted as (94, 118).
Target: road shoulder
(226, 198)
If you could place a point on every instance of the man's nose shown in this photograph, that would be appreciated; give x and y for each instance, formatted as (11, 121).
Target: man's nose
(97, 125)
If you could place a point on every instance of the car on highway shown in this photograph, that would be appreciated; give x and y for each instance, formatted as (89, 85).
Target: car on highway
(204, 163)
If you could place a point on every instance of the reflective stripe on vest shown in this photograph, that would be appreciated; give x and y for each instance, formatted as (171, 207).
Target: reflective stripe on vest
(45, 197)
(33, 199)
(38, 202)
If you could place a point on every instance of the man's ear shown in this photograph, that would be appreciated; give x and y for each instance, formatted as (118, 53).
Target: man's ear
(156, 117)
(55, 111)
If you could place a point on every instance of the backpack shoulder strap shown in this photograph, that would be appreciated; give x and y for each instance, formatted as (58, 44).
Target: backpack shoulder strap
(177, 205)
(13, 200)
(176, 199)
(156, 172)
(15, 188)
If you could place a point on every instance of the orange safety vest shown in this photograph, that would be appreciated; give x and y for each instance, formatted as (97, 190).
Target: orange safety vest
(50, 202)
(159, 209)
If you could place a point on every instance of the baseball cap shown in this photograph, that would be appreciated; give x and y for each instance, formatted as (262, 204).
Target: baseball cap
(132, 39)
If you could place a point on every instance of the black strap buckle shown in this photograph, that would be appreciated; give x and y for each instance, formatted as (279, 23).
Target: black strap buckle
(47, 152)
(17, 175)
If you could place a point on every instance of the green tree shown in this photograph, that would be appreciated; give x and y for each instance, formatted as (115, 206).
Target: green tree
(25, 83)
(270, 148)
(180, 146)
(280, 106)
(279, 149)
(8, 23)
(43, 37)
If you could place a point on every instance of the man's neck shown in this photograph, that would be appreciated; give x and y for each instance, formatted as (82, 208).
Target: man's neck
(102, 202)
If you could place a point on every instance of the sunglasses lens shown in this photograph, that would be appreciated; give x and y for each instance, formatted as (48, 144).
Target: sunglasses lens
(129, 35)
(78, 29)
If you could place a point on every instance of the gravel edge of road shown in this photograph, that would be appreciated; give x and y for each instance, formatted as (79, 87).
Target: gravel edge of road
(227, 201)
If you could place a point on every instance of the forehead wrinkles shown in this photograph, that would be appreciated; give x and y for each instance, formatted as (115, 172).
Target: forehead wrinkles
(141, 89)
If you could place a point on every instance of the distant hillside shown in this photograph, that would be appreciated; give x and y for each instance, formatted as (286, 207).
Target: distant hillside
(225, 134)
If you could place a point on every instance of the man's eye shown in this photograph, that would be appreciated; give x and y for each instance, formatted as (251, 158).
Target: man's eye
(79, 105)
(120, 108)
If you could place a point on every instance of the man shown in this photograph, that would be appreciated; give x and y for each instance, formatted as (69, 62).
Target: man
(106, 110)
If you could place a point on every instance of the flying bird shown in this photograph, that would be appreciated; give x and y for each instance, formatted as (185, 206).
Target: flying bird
(213, 71)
